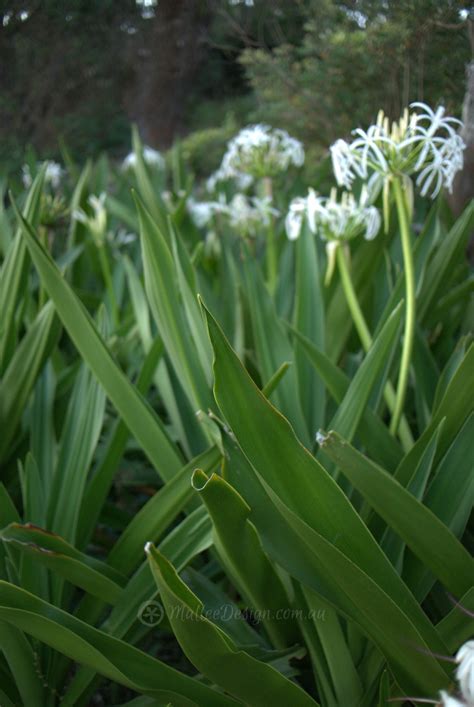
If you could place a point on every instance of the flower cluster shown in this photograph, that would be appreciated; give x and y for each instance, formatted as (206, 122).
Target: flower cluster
(249, 216)
(224, 173)
(333, 219)
(465, 672)
(260, 151)
(53, 174)
(246, 215)
(151, 157)
(422, 143)
(201, 212)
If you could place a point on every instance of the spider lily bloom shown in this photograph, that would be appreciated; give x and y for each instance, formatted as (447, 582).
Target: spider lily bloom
(262, 151)
(201, 212)
(249, 216)
(53, 174)
(224, 174)
(151, 157)
(334, 220)
(449, 701)
(295, 217)
(465, 671)
(422, 144)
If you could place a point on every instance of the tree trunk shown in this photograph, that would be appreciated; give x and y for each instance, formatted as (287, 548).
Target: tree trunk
(170, 60)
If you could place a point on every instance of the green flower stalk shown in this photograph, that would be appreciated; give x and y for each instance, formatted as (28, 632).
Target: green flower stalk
(424, 146)
(410, 317)
(338, 221)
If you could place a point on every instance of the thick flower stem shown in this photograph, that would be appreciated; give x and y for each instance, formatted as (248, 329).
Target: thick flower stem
(271, 253)
(358, 318)
(351, 298)
(410, 316)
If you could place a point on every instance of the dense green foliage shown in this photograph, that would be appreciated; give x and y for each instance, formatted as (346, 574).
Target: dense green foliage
(280, 568)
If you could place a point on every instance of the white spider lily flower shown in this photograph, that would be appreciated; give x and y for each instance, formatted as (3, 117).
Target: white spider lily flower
(465, 671)
(249, 215)
(223, 174)
(450, 701)
(423, 143)
(97, 222)
(261, 151)
(53, 174)
(333, 219)
(201, 212)
(151, 157)
(295, 217)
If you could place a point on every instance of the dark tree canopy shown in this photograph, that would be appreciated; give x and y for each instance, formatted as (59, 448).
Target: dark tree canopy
(84, 69)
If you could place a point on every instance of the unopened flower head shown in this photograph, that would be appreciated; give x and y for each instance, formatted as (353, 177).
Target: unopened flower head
(97, 221)
(249, 215)
(424, 143)
(334, 219)
(151, 157)
(262, 151)
(465, 671)
(53, 174)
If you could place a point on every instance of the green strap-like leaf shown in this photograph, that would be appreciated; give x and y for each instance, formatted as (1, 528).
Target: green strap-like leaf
(52, 551)
(240, 549)
(109, 656)
(136, 413)
(423, 532)
(271, 446)
(214, 653)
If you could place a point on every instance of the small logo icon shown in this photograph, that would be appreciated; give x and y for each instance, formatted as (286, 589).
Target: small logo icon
(150, 613)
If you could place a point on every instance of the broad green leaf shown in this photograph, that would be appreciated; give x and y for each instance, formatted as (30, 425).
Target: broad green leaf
(80, 435)
(441, 265)
(158, 513)
(23, 370)
(359, 597)
(271, 446)
(14, 272)
(42, 431)
(273, 348)
(150, 195)
(450, 498)
(190, 538)
(99, 485)
(422, 531)
(457, 627)
(373, 433)
(213, 652)
(308, 318)
(391, 543)
(351, 409)
(455, 406)
(346, 683)
(239, 547)
(50, 550)
(109, 656)
(165, 301)
(20, 658)
(136, 413)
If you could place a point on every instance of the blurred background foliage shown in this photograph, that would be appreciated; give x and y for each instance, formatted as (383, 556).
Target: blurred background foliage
(79, 71)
